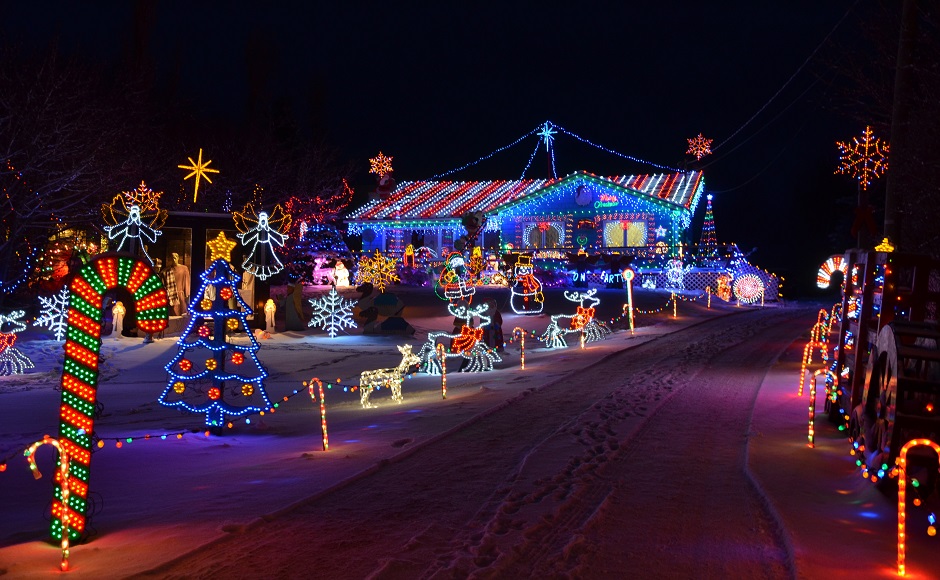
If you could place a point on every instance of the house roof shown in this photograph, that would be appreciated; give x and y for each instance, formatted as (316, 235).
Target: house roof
(451, 199)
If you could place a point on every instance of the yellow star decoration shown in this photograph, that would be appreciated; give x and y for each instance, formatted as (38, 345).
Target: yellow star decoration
(221, 248)
(199, 169)
(381, 165)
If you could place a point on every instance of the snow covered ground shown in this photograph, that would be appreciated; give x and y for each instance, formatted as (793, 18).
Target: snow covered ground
(158, 500)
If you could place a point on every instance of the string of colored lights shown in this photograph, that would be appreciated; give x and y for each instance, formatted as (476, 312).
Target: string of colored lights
(487, 156)
(902, 499)
(521, 332)
(612, 152)
(80, 370)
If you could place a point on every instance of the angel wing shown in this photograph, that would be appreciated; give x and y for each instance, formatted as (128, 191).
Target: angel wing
(154, 219)
(115, 212)
(279, 220)
(246, 219)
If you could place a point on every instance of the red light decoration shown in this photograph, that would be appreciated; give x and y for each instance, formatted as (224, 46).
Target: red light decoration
(186, 365)
(225, 293)
(238, 358)
(214, 393)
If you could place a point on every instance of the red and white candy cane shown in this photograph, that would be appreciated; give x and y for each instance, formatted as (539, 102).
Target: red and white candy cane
(63, 478)
(80, 371)
(313, 396)
(521, 332)
(443, 358)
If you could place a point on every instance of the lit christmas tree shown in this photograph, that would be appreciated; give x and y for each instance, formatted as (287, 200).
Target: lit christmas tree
(209, 374)
(708, 243)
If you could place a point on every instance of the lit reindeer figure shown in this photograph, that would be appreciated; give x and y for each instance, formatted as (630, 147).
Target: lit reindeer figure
(389, 378)
(466, 345)
(581, 321)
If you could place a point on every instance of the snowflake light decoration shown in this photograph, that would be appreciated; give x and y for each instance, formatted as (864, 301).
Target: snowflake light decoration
(699, 146)
(377, 270)
(55, 310)
(12, 361)
(143, 197)
(547, 134)
(381, 165)
(332, 313)
(865, 159)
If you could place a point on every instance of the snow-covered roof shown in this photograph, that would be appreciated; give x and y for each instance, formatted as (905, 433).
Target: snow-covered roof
(451, 199)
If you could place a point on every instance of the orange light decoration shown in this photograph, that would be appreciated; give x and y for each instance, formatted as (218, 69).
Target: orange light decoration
(708, 290)
(309, 385)
(885, 246)
(179, 387)
(380, 165)
(865, 159)
(199, 170)
(521, 332)
(901, 462)
(674, 306)
(211, 364)
(439, 349)
(80, 371)
(248, 389)
(699, 146)
(64, 480)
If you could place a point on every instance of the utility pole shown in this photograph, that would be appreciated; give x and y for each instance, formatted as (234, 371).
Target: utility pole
(900, 124)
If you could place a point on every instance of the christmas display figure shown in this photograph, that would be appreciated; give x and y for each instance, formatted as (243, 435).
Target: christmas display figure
(12, 361)
(210, 374)
(390, 378)
(378, 271)
(723, 287)
(55, 310)
(259, 234)
(675, 274)
(134, 218)
(341, 275)
(408, 258)
(117, 316)
(708, 243)
(453, 279)
(583, 321)
(527, 297)
(466, 343)
(332, 312)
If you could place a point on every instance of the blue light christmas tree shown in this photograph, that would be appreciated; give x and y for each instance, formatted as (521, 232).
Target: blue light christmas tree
(209, 374)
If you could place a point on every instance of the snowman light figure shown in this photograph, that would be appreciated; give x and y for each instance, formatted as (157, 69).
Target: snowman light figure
(527, 297)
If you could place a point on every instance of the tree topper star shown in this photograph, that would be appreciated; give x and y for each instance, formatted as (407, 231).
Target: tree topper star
(199, 169)
(220, 248)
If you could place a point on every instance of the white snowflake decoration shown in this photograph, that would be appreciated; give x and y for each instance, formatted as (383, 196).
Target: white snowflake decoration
(332, 313)
(12, 361)
(55, 310)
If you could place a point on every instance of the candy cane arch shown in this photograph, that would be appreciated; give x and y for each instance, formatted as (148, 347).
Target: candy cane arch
(309, 385)
(439, 349)
(902, 495)
(80, 371)
(63, 479)
(521, 332)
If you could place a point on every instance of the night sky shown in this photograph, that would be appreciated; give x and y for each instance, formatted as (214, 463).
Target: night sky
(440, 84)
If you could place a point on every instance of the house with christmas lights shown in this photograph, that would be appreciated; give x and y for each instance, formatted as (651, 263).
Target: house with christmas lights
(636, 214)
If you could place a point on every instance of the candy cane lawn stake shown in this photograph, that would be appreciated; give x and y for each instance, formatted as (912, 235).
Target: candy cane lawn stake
(629, 275)
(63, 479)
(902, 493)
(439, 349)
(811, 435)
(521, 332)
(807, 360)
(80, 371)
(309, 385)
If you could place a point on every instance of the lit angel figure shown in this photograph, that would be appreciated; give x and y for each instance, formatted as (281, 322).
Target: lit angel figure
(582, 321)
(259, 233)
(12, 361)
(131, 224)
(467, 344)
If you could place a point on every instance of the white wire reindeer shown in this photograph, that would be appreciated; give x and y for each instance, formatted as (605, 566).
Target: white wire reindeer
(388, 377)
(581, 321)
(466, 345)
